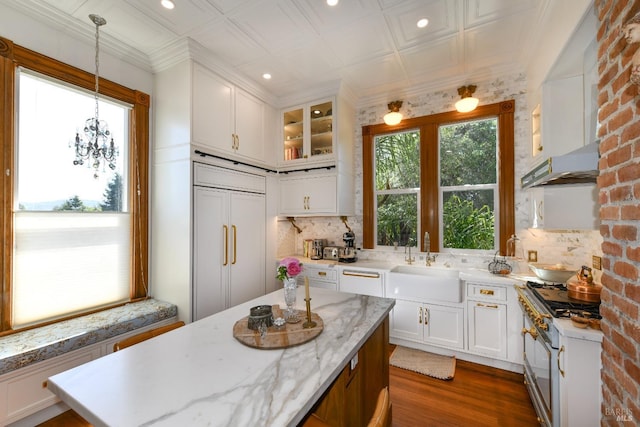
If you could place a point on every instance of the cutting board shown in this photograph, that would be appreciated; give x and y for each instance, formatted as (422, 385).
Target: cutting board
(289, 335)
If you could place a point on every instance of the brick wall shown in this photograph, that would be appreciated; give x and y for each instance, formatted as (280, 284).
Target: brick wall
(619, 192)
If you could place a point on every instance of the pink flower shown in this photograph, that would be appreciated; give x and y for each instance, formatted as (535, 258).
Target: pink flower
(289, 267)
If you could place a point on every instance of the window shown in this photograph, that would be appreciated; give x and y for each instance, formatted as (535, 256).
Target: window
(448, 174)
(72, 243)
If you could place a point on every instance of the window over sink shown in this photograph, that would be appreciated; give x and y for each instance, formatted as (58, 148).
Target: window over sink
(449, 174)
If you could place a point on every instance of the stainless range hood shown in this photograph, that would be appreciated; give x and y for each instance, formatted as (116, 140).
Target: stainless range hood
(577, 167)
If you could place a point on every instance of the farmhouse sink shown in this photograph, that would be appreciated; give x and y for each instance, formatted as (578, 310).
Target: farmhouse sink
(425, 283)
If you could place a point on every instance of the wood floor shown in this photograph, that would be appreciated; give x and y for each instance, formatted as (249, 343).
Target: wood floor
(477, 396)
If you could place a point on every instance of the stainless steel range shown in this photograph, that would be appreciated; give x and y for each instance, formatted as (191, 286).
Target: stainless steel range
(540, 303)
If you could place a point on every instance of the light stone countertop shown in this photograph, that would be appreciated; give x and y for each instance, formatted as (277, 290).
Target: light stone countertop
(201, 375)
(36, 345)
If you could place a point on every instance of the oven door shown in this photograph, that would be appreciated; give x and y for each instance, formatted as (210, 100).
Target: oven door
(538, 355)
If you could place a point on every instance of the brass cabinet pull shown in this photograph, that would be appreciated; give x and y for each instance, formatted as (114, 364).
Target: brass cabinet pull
(322, 273)
(237, 141)
(487, 305)
(426, 316)
(486, 292)
(44, 384)
(420, 315)
(226, 244)
(559, 353)
(365, 274)
(235, 241)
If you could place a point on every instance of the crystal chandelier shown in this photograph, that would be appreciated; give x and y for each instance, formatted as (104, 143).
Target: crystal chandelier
(96, 146)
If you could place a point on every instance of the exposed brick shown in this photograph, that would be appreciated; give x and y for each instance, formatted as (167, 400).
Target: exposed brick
(625, 232)
(629, 172)
(636, 191)
(608, 75)
(632, 292)
(621, 83)
(608, 109)
(623, 343)
(607, 178)
(632, 131)
(633, 253)
(632, 329)
(604, 229)
(620, 193)
(612, 351)
(630, 212)
(612, 284)
(603, 198)
(611, 248)
(626, 270)
(625, 306)
(610, 317)
(619, 156)
(609, 212)
(620, 119)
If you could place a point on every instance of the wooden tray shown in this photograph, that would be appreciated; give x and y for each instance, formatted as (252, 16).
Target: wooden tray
(289, 335)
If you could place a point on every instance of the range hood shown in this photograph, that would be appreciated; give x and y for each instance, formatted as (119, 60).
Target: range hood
(577, 167)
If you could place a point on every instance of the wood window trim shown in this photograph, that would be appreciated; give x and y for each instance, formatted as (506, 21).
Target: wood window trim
(429, 208)
(13, 56)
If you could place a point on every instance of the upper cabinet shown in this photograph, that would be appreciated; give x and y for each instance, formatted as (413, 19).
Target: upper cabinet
(226, 119)
(307, 132)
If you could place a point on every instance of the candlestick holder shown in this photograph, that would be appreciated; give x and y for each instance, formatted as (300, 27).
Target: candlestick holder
(309, 323)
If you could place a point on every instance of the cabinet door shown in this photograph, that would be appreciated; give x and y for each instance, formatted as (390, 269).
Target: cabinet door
(407, 319)
(249, 115)
(487, 328)
(443, 325)
(308, 195)
(211, 258)
(213, 108)
(321, 129)
(247, 247)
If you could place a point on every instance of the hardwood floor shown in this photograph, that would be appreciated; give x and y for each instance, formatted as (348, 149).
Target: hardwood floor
(477, 396)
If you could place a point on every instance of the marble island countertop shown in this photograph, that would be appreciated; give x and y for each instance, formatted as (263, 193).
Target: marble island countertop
(201, 375)
(36, 345)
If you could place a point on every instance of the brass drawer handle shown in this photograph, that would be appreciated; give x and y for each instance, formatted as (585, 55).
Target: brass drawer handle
(486, 292)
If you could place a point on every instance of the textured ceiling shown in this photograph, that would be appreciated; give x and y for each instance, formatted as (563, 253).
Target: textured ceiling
(372, 46)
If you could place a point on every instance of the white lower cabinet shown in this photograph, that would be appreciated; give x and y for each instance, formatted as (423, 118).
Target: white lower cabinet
(361, 281)
(441, 325)
(320, 276)
(580, 364)
(487, 320)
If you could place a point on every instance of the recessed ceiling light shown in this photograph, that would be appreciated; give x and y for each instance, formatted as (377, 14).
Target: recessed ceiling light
(266, 76)
(332, 2)
(167, 4)
(422, 23)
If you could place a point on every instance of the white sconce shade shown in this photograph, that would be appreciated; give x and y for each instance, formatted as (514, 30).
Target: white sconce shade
(468, 102)
(393, 117)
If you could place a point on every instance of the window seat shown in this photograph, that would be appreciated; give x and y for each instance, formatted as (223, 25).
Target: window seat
(36, 345)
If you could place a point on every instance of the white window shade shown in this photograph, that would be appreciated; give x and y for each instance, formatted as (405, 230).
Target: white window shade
(67, 262)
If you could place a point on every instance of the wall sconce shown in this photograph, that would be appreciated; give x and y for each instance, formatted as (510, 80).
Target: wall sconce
(393, 117)
(467, 102)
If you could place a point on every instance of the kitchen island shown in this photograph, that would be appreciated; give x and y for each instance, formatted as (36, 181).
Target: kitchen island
(201, 375)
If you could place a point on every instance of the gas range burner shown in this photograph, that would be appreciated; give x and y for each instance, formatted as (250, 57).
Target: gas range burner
(555, 299)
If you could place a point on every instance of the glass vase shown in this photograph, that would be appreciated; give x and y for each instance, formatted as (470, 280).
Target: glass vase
(290, 290)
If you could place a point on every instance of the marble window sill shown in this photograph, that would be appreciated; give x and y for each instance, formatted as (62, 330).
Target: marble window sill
(36, 345)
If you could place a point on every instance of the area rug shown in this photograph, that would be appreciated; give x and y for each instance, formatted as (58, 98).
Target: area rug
(433, 365)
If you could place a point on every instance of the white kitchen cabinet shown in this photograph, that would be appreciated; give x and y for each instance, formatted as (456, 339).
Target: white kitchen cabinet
(362, 281)
(436, 324)
(229, 243)
(580, 384)
(226, 118)
(550, 206)
(320, 276)
(487, 320)
(307, 133)
(318, 194)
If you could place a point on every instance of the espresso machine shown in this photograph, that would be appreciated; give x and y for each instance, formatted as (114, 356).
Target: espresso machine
(348, 252)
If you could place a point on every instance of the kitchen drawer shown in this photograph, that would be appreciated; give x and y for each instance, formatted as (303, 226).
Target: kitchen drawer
(480, 291)
(324, 274)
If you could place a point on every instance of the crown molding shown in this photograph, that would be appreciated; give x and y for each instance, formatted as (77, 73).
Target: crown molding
(81, 31)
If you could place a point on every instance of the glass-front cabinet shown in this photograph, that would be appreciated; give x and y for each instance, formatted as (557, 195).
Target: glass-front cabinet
(308, 133)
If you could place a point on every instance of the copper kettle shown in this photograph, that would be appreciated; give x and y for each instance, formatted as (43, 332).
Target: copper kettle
(583, 288)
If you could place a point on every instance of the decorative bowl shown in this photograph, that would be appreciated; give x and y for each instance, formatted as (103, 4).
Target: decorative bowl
(557, 273)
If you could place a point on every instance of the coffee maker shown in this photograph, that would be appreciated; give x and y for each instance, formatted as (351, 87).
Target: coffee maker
(348, 252)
